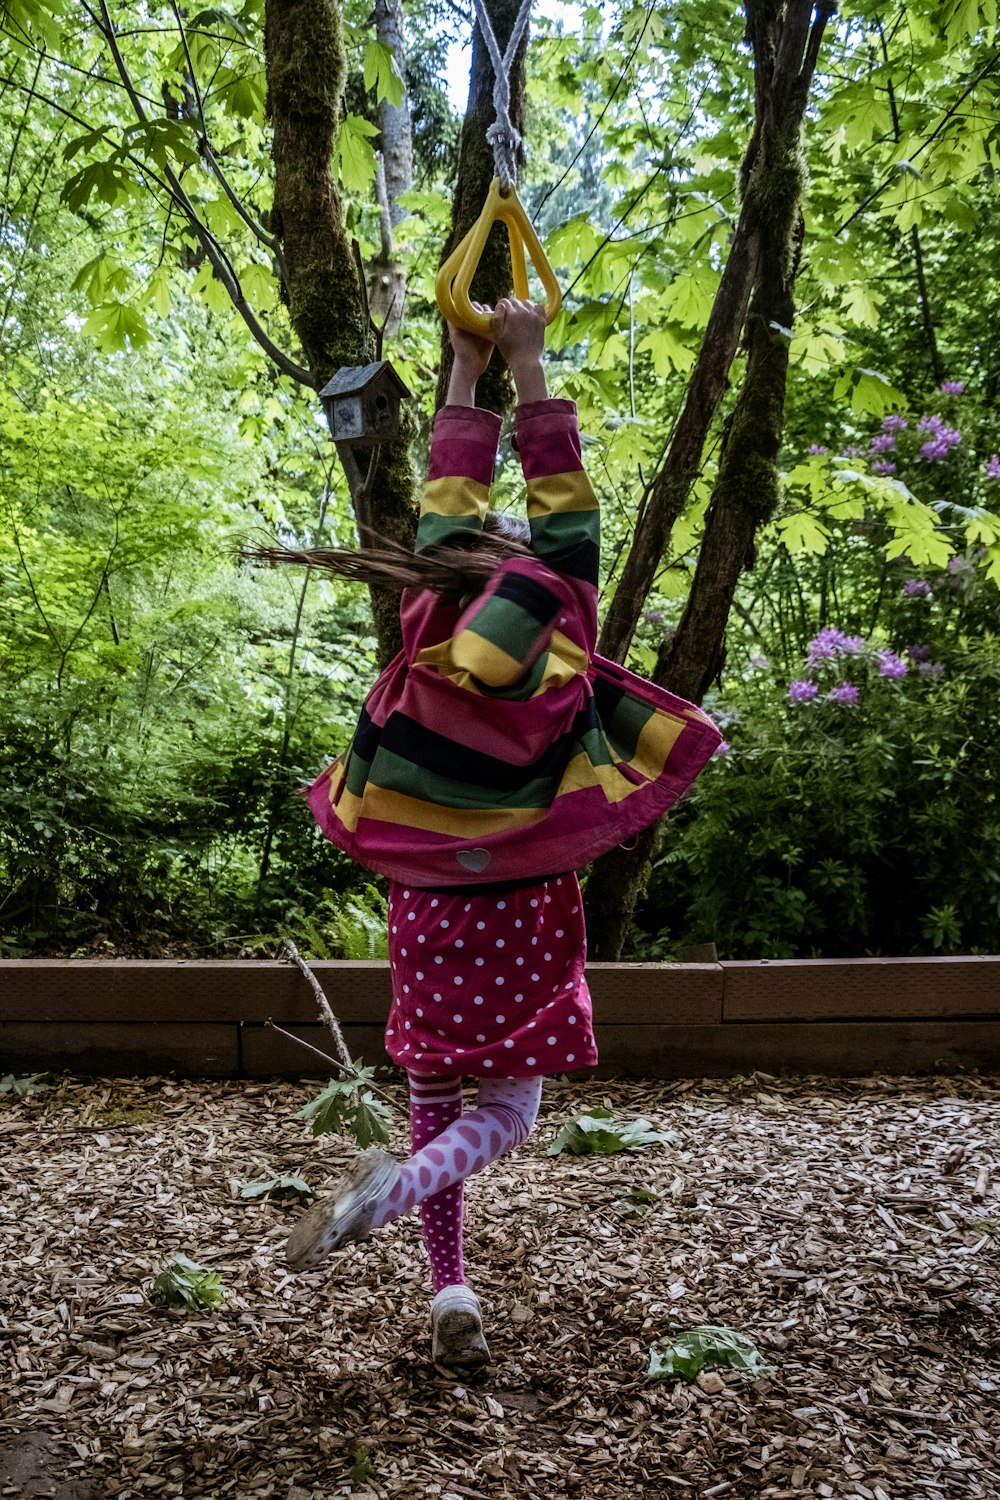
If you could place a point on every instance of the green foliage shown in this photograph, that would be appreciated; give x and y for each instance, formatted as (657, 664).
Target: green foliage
(347, 1106)
(363, 1468)
(689, 1351)
(279, 1189)
(598, 1134)
(361, 925)
(636, 1203)
(31, 1083)
(836, 827)
(183, 1282)
(159, 704)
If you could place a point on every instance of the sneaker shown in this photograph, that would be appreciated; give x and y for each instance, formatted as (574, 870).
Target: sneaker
(347, 1215)
(457, 1330)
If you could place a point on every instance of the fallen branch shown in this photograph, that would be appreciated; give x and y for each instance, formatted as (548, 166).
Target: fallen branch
(326, 1014)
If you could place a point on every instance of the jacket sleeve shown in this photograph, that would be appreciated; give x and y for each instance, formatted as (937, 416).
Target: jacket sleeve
(563, 510)
(459, 474)
(504, 633)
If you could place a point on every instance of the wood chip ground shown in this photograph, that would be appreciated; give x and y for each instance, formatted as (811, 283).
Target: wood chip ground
(851, 1228)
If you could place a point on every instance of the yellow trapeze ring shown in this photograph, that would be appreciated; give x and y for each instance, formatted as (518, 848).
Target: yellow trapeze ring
(455, 277)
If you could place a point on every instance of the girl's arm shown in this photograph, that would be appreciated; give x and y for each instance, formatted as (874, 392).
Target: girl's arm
(463, 450)
(563, 510)
(503, 637)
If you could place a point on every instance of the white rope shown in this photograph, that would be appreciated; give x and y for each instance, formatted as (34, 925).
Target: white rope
(502, 135)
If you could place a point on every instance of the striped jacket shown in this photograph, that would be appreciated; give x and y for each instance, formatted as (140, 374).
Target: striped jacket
(496, 746)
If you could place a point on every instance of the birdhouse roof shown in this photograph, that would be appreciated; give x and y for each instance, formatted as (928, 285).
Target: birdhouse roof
(353, 379)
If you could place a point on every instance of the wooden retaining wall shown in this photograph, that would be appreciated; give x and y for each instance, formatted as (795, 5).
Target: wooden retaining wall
(208, 1018)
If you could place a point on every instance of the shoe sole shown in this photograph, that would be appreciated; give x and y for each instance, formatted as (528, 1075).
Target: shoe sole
(334, 1221)
(458, 1340)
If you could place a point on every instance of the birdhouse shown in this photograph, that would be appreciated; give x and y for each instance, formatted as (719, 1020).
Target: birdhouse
(362, 403)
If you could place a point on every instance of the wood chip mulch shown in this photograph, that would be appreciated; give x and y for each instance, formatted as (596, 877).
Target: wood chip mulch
(850, 1228)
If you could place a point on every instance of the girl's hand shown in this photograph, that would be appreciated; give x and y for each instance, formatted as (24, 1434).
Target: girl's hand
(519, 331)
(472, 353)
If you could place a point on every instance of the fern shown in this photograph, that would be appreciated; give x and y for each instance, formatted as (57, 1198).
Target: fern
(360, 925)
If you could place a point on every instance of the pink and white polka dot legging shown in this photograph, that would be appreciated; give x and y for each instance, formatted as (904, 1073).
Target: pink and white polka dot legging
(449, 1146)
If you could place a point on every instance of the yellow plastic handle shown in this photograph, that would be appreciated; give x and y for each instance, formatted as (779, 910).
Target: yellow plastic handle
(455, 277)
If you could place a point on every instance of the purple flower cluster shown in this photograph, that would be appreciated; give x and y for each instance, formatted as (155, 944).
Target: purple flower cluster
(952, 387)
(802, 692)
(894, 423)
(993, 467)
(916, 588)
(941, 441)
(931, 668)
(884, 467)
(831, 643)
(891, 665)
(884, 442)
(919, 653)
(817, 448)
(846, 693)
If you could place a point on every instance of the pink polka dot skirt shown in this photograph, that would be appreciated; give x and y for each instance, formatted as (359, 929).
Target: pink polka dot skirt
(489, 985)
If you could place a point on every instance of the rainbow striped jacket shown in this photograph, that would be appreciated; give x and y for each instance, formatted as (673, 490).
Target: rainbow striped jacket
(497, 746)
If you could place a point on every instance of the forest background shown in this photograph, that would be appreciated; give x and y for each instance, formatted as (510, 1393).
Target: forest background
(181, 192)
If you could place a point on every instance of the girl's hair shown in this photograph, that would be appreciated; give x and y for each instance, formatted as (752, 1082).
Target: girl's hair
(460, 569)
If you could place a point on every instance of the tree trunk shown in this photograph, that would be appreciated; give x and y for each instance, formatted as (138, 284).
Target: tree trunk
(786, 44)
(387, 283)
(475, 173)
(669, 491)
(304, 55)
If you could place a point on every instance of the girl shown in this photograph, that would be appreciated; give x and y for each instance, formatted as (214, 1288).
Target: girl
(494, 756)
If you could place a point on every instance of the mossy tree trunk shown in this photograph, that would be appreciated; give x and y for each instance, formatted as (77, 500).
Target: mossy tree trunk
(475, 173)
(304, 54)
(786, 38)
(387, 279)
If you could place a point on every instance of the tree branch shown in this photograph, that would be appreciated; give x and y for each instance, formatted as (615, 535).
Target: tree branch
(220, 262)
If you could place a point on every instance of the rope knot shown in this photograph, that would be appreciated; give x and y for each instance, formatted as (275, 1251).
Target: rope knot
(507, 143)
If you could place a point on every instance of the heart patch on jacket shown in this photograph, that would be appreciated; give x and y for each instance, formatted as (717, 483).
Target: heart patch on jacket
(473, 859)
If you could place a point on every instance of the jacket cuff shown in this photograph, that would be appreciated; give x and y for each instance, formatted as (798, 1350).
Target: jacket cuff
(478, 419)
(548, 438)
(553, 406)
(464, 444)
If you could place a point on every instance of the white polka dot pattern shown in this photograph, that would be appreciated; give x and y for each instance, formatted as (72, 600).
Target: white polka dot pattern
(534, 936)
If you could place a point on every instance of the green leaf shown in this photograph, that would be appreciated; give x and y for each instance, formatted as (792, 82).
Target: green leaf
(371, 1121)
(328, 1111)
(117, 326)
(242, 94)
(962, 20)
(686, 1353)
(803, 533)
(30, 1084)
(109, 181)
(636, 1202)
(668, 349)
(100, 277)
(85, 142)
(346, 1106)
(596, 1135)
(185, 1282)
(278, 1189)
(381, 73)
(869, 392)
(354, 158)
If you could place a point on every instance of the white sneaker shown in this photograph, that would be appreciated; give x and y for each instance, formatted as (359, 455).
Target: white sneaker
(347, 1215)
(457, 1330)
